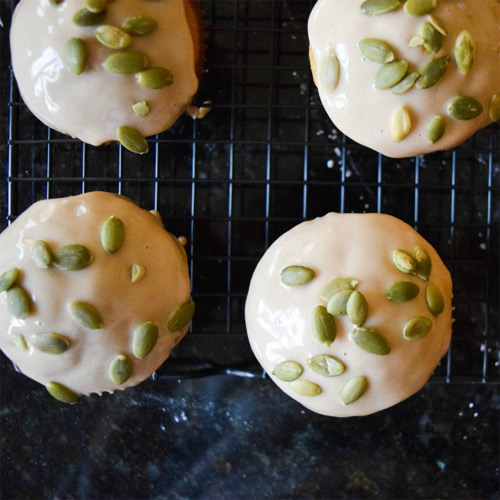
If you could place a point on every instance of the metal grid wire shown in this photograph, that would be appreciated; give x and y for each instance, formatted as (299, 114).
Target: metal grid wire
(266, 158)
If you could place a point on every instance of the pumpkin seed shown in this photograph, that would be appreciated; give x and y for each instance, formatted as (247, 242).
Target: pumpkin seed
(144, 339)
(464, 108)
(18, 302)
(326, 365)
(420, 7)
(404, 261)
(435, 128)
(73, 257)
(8, 279)
(55, 2)
(437, 24)
(370, 341)
(124, 63)
(400, 124)
(354, 389)
(377, 7)
(323, 325)
(305, 388)
(288, 371)
(61, 393)
(406, 83)
(424, 264)
(181, 316)
(137, 272)
(41, 254)
(417, 328)
(76, 55)
(434, 299)
(416, 41)
(20, 342)
(139, 25)
(141, 108)
(432, 39)
(120, 369)
(337, 285)
(432, 72)
(337, 305)
(494, 110)
(376, 50)
(464, 52)
(390, 74)
(86, 18)
(112, 37)
(85, 314)
(402, 291)
(296, 275)
(155, 78)
(51, 343)
(132, 140)
(329, 72)
(357, 308)
(96, 5)
(112, 234)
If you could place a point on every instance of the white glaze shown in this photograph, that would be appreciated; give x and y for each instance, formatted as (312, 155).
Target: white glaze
(91, 106)
(106, 284)
(358, 246)
(363, 112)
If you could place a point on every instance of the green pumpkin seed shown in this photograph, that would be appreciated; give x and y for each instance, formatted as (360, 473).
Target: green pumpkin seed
(400, 124)
(296, 275)
(390, 74)
(96, 5)
(329, 72)
(432, 39)
(402, 291)
(404, 262)
(435, 128)
(144, 339)
(20, 342)
(417, 328)
(337, 285)
(416, 41)
(420, 7)
(8, 279)
(51, 343)
(434, 299)
(76, 55)
(464, 108)
(61, 393)
(464, 52)
(120, 369)
(73, 257)
(437, 25)
(354, 389)
(406, 83)
(371, 341)
(305, 388)
(323, 325)
(181, 316)
(139, 25)
(288, 371)
(376, 50)
(377, 7)
(112, 234)
(132, 140)
(137, 272)
(112, 37)
(125, 63)
(424, 264)
(326, 365)
(357, 308)
(41, 254)
(141, 108)
(85, 314)
(155, 78)
(56, 2)
(337, 305)
(432, 72)
(86, 18)
(494, 110)
(18, 302)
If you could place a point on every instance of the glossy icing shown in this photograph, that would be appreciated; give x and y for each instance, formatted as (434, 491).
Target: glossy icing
(357, 246)
(92, 105)
(106, 284)
(363, 112)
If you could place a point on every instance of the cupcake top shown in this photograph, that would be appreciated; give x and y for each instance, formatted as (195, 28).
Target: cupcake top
(407, 78)
(95, 293)
(350, 313)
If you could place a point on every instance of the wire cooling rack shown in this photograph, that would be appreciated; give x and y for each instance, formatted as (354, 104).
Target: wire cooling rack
(264, 159)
